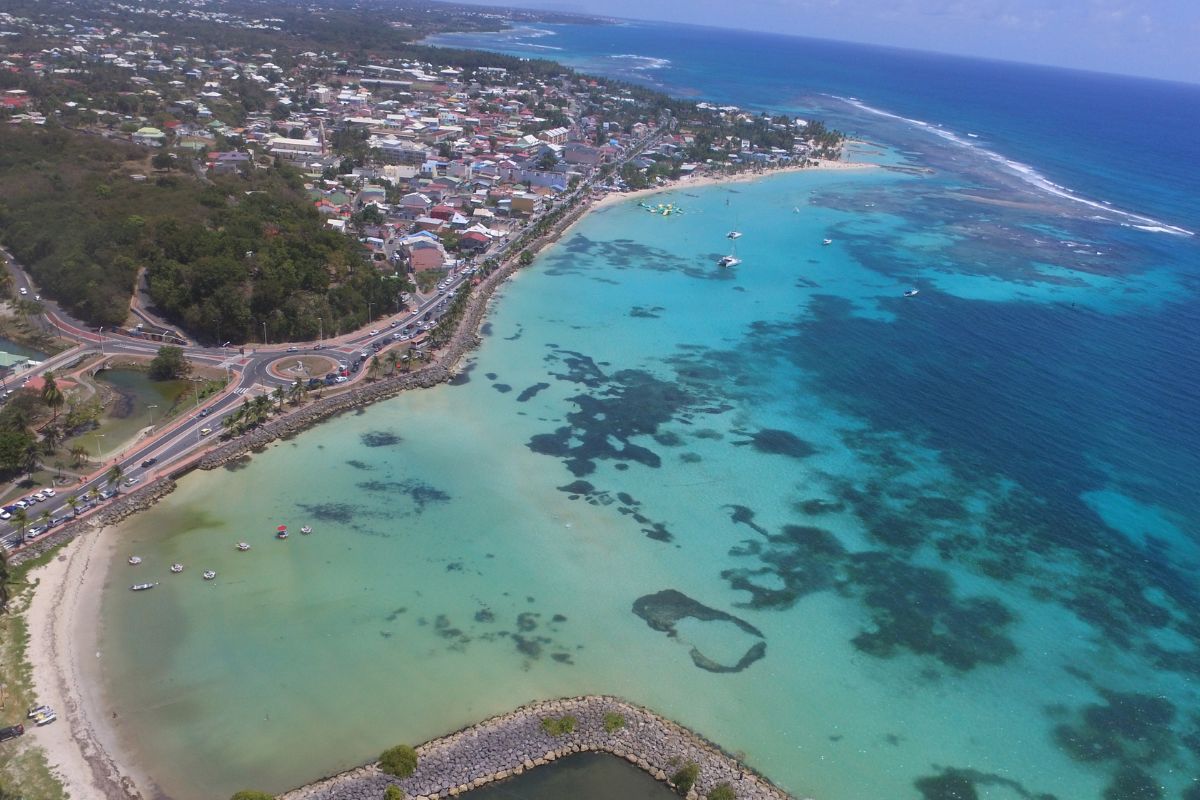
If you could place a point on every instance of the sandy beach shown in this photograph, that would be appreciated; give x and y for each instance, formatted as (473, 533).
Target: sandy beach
(63, 623)
(698, 181)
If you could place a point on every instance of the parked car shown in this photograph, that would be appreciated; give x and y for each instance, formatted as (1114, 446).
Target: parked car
(108, 494)
(342, 379)
(131, 481)
(149, 462)
(49, 492)
(11, 732)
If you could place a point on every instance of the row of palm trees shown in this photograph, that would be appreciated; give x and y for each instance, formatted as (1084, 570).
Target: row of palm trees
(112, 480)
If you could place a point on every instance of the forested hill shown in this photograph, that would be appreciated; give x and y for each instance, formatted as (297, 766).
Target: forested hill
(223, 257)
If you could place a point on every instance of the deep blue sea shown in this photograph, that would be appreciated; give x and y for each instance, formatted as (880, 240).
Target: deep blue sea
(942, 547)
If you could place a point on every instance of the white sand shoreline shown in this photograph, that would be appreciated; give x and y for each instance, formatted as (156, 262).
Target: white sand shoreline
(696, 182)
(64, 625)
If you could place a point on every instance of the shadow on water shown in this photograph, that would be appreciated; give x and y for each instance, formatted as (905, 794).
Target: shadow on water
(587, 776)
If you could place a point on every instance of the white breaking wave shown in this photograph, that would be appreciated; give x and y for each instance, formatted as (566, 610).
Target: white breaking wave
(1028, 173)
(645, 62)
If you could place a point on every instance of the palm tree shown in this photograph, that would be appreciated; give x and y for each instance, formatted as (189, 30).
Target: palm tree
(21, 520)
(392, 358)
(51, 437)
(113, 477)
(373, 371)
(52, 396)
(295, 391)
(73, 504)
(92, 494)
(44, 518)
(279, 394)
(79, 454)
(32, 451)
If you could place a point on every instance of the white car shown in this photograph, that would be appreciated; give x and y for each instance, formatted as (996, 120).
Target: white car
(48, 492)
(39, 496)
(374, 331)
(24, 291)
(4, 514)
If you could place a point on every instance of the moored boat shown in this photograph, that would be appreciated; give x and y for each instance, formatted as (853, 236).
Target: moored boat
(306, 529)
(729, 261)
(135, 560)
(209, 574)
(177, 568)
(912, 293)
(281, 532)
(826, 242)
(243, 546)
(141, 587)
(733, 235)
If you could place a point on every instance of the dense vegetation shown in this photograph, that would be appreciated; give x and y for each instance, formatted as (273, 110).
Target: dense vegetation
(169, 364)
(221, 258)
(400, 761)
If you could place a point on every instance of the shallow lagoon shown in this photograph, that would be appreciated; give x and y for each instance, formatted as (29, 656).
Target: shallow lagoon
(841, 532)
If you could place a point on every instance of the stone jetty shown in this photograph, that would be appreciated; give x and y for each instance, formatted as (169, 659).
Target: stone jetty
(508, 745)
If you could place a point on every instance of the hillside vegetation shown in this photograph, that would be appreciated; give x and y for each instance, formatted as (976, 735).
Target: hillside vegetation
(222, 258)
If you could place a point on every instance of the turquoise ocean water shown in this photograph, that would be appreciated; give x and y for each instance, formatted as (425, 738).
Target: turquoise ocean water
(890, 547)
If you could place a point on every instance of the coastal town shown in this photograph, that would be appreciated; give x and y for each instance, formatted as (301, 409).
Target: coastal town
(426, 177)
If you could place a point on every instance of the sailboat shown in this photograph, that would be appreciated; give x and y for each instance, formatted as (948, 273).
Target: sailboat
(733, 235)
(730, 260)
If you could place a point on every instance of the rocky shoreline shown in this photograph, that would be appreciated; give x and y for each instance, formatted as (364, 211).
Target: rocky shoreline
(508, 745)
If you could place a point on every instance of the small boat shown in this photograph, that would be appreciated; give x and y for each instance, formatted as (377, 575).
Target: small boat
(243, 546)
(177, 568)
(45, 719)
(306, 529)
(209, 574)
(281, 532)
(912, 293)
(135, 560)
(141, 587)
(826, 242)
(33, 712)
(733, 235)
(729, 261)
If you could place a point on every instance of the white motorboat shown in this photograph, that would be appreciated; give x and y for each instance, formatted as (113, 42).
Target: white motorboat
(209, 574)
(46, 718)
(733, 235)
(306, 529)
(243, 546)
(135, 560)
(912, 293)
(33, 712)
(141, 587)
(177, 568)
(729, 261)
(826, 242)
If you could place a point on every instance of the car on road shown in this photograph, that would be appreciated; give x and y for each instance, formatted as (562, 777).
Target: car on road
(149, 462)
(205, 431)
(318, 347)
(34, 532)
(314, 382)
(204, 412)
(5, 514)
(293, 349)
(374, 331)
(393, 324)
(131, 481)
(108, 494)
(342, 379)
(24, 291)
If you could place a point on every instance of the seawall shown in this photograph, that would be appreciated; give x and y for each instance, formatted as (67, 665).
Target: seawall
(510, 744)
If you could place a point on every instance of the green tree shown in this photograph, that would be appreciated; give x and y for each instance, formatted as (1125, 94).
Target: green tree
(162, 161)
(20, 518)
(169, 364)
(279, 394)
(400, 761)
(525, 259)
(79, 454)
(52, 396)
(113, 477)
(3, 603)
(45, 517)
(685, 777)
(392, 358)
(373, 370)
(73, 504)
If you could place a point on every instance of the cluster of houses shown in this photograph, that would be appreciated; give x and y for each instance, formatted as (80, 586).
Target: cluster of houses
(423, 163)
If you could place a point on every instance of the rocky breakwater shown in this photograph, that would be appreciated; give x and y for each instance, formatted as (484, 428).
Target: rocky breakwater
(124, 505)
(320, 410)
(506, 746)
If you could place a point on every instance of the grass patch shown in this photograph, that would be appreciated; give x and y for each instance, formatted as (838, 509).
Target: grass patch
(559, 726)
(613, 722)
(722, 791)
(400, 761)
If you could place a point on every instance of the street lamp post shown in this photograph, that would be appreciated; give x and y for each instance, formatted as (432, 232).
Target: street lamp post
(152, 410)
(321, 328)
(264, 331)
(370, 306)
(99, 436)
